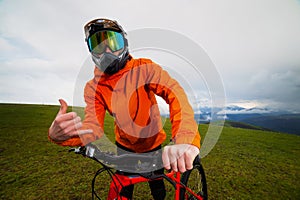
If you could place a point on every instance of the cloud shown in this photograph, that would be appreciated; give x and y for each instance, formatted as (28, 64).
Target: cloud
(33, 80)
(280, 85)
(5, 47)
(13, 48)
(253, 44)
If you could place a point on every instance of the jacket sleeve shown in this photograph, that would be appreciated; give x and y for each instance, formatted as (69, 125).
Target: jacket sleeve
(184, 126)
(91, 120)
(94, 114)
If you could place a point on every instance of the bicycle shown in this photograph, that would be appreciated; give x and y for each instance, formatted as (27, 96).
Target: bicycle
(188, 186)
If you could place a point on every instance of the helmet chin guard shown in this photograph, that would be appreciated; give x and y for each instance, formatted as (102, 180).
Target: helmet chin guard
(110, 63)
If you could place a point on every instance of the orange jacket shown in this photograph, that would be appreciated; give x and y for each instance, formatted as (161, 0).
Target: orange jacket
(129, 96)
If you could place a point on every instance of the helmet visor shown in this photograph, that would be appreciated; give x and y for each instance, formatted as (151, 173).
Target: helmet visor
(98, 42)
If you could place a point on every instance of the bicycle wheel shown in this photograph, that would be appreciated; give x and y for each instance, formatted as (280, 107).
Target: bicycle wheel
(101, 182)
(195, 180)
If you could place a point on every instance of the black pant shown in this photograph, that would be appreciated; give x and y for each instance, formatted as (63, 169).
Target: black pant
(157, 187)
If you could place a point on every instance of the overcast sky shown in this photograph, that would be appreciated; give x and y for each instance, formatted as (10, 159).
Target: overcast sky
(254, 45)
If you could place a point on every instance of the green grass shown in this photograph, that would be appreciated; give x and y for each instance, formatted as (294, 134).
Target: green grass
(247, 164)
(244, 164)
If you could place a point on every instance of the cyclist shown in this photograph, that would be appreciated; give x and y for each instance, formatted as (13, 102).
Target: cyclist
(126, 88)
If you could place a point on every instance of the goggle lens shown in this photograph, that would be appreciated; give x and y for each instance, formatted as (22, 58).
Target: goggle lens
(98, 41)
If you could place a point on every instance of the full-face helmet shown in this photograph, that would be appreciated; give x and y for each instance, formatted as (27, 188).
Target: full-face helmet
(104, 34)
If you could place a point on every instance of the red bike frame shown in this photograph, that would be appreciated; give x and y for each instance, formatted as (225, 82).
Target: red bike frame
(119, 181)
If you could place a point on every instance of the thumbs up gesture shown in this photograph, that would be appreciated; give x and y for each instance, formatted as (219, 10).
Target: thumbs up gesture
(65, 125)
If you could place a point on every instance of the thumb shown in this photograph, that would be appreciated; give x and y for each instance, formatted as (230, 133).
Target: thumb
(63, 107)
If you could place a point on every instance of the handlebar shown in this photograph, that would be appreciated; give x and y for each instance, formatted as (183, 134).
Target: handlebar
(144, 164)
(129, 162)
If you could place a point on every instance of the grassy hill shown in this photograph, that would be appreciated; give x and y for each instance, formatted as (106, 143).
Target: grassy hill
(243, 125)
(244, 164)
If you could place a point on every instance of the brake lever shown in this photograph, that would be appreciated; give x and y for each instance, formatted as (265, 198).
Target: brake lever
(78, 150)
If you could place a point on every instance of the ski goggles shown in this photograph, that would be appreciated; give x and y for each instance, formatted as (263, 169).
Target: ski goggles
(98, 42)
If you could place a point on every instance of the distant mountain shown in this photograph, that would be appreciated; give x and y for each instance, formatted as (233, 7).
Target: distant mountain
(243, 125)
(288, 123)
(259, 117)
(242, 117)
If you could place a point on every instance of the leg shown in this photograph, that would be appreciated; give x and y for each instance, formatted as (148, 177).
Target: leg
(127, 191)
(157, 187)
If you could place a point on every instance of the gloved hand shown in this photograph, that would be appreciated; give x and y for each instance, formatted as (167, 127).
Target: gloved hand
(179, 157)
(66, 125)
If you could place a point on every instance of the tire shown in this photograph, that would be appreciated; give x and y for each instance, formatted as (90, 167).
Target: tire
(195, 180)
